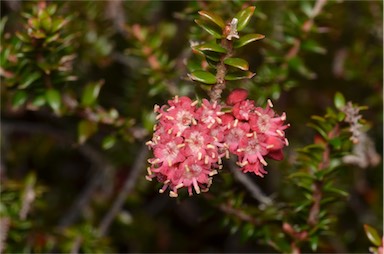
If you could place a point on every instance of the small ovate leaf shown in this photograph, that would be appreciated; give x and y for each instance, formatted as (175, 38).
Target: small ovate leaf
(19, 98)
(203, 76)
(90, 93)
(57, 24)
(213, 17)
(246, 39)
(372, 235)
(108, 142)
(237, 63)
(210, 28)
(239, 75)
(339, 101)
(54, 99)
(243, 17)
(46, 23)
(210, 46)
(214, 56)
(85, 129)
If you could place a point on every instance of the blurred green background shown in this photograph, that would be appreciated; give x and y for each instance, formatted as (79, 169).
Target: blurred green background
(141, 52)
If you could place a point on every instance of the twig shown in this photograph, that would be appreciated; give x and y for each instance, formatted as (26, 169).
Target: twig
(76, 245)
(228, 209)
(306, 27)
(217, 89)
(100, 163)
(317, 194)
(124, 192)
(252, 187)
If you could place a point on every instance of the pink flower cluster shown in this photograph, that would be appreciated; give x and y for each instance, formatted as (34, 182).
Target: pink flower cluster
(253, 133)
(189, 141)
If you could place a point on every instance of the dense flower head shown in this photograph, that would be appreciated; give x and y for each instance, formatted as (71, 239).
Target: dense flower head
(186, 154)
(190, 140)
(261, 131)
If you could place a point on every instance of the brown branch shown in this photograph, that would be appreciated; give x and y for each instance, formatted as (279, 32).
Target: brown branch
(317, 194)
(217, 89)
(125, 191)
(252, 187)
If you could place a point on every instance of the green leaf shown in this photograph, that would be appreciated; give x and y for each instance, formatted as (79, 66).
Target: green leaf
(301, 175)
(46, 23)
(213, 17)
(337, 191)
(210, 28)
(298, 65)
(90, 93)
(210, 46)
(243, 17)
(246, 39)
(239, 75)
(108, 142)
(2, 25)
(57, 24)
(319, 130)
(238, 63)
(339, 101)
(313, 46)
(314, 243)
(372, 235)
(214, 56)
(203, 76)
(29, 80)
(19, 98)
(54, 99)
(85, 129)
(39, 101)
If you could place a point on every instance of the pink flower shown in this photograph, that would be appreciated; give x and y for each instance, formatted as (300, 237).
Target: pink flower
(186, 154)
(263, 137)
(209, 114)
(242, 110)
(237, 96)
(236, 131)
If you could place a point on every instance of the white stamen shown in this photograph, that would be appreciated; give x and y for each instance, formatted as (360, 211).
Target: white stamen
(170, 118)
(213, 172)
(206, 159)
(196, 186)
(210, 146)
(235, 123)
